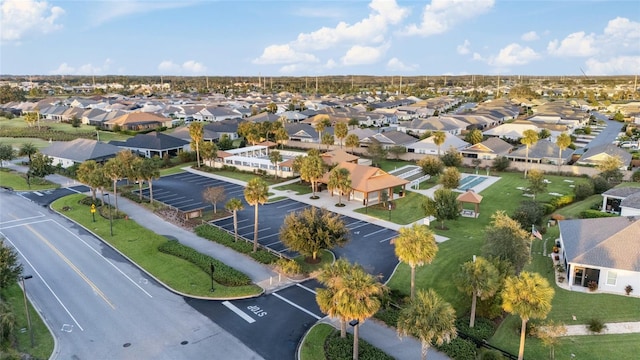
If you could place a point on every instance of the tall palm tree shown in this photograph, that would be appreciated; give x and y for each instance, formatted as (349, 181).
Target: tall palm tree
(563, 141)
(114, 170)
(27, 149)
(430, 318)
(359, 298)
(196, 131)
(256, 193)
(438, 138)
(311, 170)
(150, 171)
(339, 179)
(415, 246)
(528, 295)
(234, 205)
(341, 131)
(352, 141)
(332, 277)
(529, 138)
(480, 279)
(323, 121)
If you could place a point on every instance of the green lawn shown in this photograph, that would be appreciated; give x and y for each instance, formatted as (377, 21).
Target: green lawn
(243, 176)
(313, 345)
(299, 188)
(42, 338)
(392, 164)
(141, 246)
(326, 257)
(176, 169)
(18, 181)
(408, 209)
(573, 211)
(16, 143)
(466, 237)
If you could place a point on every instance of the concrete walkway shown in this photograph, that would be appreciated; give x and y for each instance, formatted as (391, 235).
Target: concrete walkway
(611, 328)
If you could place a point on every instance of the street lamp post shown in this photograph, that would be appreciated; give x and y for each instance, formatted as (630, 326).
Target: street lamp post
(110, 217)
(212, 270)
(355, 324)
(389, 210)
(26, 307)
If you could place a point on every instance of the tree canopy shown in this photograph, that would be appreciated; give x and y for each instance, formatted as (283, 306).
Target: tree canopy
(415, 246)
(311, 230)
(443, 206)
(505, 239)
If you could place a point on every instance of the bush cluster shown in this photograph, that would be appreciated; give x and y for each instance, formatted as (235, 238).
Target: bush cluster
(289, 267)
(583, 190)
(459, 349)
(224, 238)
(482, 329)
(223, 273)
(596, 325)
(337, 348)
(592, 214)
(45, 134)
(561, 201)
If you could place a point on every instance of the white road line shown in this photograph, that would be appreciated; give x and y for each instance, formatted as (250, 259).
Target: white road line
(239, 312)
(273, 243)
(286, 205)
(393, 237)
(244, 227)
(38, 193)
(306, 288)
(375, 232)
(105, 259)
(75, 191)
(297, 306)
(23, 224)
(359, 226)
(23, 219)
(268, 236)
(44, 282)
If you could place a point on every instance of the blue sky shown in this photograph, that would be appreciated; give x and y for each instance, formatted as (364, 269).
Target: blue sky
(309, 38)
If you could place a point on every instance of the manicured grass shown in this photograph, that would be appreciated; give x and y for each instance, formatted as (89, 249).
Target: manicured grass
(141, 245)
(299, 188)
(326, 257)
(176, 169)
(18, 181)
(313, 345)
(408, 209)
(276, 198)
(105, 136)
(573, 211)
(16, 143)
(392, 164)
(42, 338)
(433, 181)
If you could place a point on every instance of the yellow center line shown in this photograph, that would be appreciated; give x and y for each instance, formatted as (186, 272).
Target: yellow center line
(72, 266)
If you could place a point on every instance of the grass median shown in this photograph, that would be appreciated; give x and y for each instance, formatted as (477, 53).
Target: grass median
(18, 181)
(141, 245)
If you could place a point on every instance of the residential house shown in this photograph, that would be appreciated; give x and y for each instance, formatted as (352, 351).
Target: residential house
(427, 146)
(154, 144)
(543, 151)
(511, 131)
(488, 149)
(434, 123)
(389, 139)
(335, 157)
(597, 154)
(605, 251)
(68, 153)
(302, 132)
(624, 201)
(137, 121)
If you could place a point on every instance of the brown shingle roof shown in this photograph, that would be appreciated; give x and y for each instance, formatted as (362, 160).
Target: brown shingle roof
(470, 196)
(337, 156)
(368, 178)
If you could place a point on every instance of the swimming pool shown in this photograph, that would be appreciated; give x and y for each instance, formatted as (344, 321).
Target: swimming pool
(470, 181)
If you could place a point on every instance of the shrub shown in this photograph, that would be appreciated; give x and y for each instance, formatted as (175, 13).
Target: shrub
(337, 348)
(483, 329)
(596, 325)
(592, 214)
(501, 163)
(583, 190)
(459, 349)
(452, 158)
(222, 237)
(389, 316)
(636, 176)
(600, 184)
(223, 273)
(628, 289)
(528, 213)
(547, 208)
(288, 267)
(491, 355)
(561, 201)
(592, 285)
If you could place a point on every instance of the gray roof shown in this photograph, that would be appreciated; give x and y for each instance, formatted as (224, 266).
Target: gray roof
(153, 141)
(632, 201)
(543, 149)
(80, 150)
(622, 192)
(609, 149)
(496, 145)
(605, 242)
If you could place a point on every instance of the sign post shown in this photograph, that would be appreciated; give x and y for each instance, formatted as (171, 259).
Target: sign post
(212, 270)
(93, 212)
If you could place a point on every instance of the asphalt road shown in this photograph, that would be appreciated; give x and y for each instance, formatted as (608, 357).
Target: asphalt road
(97, 304)
(608, 134)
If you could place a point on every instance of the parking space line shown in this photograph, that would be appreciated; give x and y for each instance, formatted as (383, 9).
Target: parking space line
(239, 312)
(268, 236)
(244, 227)
(273, 243)
(393, 237)
(375, 232)
(359, 226)
(306, 288)
(287, 205)
(296, 306)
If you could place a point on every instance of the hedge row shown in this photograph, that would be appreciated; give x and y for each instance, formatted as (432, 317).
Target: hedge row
(224, 238)
(337, 348)
(45, 134)
(459, 349)
(223, 274)
(592, 214)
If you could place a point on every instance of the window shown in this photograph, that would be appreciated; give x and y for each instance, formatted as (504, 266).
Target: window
(612, 276)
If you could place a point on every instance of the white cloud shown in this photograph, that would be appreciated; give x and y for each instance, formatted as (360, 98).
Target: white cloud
(360, 55)
(576, 44)
(86, 69)
(330, 64)
(442, 15)
(621, 65)
(168, 67)
(478, 57)
(319, 12)
(112, 10)
(396, 65)
(21, 18)
(370, 30)
(530, 36)
(513, 54)
(464, 48)
(283, 54)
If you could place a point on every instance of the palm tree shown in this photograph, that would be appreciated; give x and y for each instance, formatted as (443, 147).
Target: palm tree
(359, 298)
(332, 277)
(430, 318)
(256, 193)
(563, 141)
(438, 139)
(341, 131)
(276, 158)
(234, 205)
(529, 296)
(311, 170)
(150, 170)
(114, 170)
(352, 141)
(529, 137)
(339, 179)
(322, 122)
(27, 149)
(196, 131)
(415, 246)
(480, 279)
